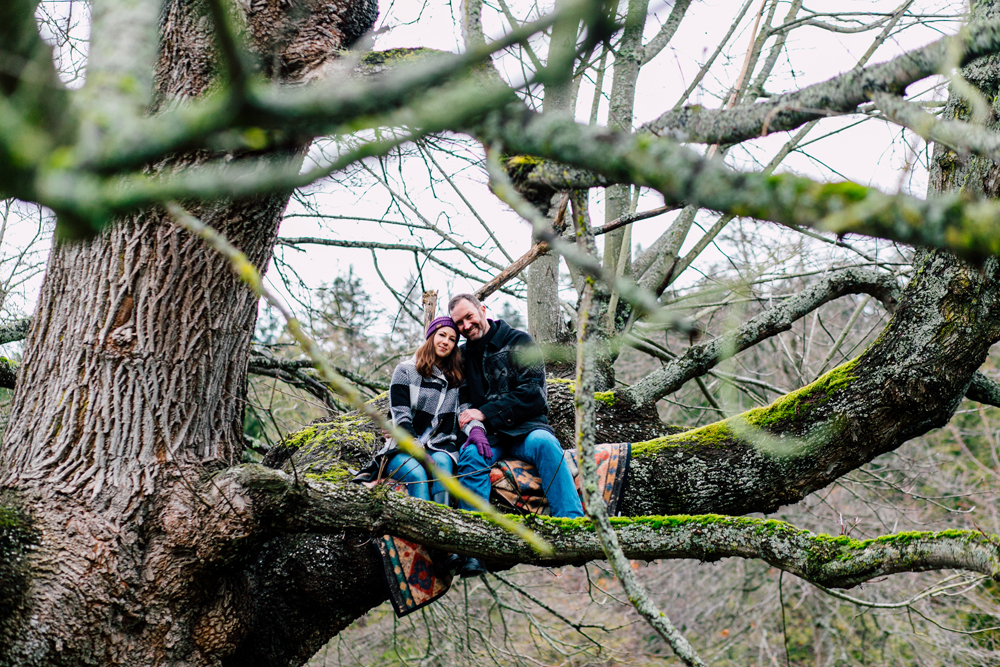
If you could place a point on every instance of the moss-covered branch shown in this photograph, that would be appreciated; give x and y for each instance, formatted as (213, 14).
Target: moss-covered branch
(282, 504)
(699, 359)
(683, 177)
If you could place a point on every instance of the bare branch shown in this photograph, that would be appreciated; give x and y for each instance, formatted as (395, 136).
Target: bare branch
(839, 95)
(662, 38)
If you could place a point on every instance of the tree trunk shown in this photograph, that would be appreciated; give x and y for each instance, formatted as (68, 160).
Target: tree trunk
(132, 388)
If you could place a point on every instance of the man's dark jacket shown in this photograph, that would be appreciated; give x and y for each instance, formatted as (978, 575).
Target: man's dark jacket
(505, 379)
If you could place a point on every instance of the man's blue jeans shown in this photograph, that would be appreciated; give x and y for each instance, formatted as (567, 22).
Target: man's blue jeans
(408, 470)
(541, 449)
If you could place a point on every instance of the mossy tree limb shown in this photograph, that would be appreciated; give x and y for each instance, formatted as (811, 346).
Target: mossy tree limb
(699, 359)
(283, 504)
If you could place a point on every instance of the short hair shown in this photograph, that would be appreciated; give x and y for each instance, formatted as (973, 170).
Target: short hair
(471, 298)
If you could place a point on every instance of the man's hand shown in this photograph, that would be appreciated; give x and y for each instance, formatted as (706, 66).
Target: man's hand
(469, 415)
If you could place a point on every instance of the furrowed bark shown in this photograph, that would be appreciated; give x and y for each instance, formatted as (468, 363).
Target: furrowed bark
(132, 388)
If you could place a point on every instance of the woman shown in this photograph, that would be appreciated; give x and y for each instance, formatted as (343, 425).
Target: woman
(424, 401)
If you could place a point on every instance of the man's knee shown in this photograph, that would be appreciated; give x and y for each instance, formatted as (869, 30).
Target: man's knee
(541, 443)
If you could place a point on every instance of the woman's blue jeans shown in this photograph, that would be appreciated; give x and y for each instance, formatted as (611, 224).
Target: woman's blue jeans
(408, 470)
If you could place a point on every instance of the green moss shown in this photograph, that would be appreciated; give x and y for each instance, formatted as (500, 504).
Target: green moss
(785, 410)
(327, 450)
(906, 538)
(852, 192)
(335, 473)
(710, 435)
(519, 161)
(606, 397)
(582, 524)
(799, 403)
(397, 56)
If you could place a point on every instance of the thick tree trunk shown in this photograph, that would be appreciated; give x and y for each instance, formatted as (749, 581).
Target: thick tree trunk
(131, 394)
(132, 388)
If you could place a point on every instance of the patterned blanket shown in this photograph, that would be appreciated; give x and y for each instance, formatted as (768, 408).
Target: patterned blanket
(410, 574)
(407, 566)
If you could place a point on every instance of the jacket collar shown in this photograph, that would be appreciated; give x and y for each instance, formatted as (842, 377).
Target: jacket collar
(494, 339)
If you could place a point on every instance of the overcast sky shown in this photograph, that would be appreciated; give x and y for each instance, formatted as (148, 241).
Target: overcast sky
(871, 153)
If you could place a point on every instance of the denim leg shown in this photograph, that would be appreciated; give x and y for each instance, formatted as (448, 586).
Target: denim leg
(543, 450)
(474, 472)
(447, 465)
(408, 470)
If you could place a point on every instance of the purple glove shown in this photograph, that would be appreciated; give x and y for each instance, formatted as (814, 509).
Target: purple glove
(477, 437)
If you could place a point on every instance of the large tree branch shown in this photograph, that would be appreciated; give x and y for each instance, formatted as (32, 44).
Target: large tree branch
(699, 359)
(280, 503)
(906, 383)
(839, 95)
(983, 390)
(683, 177)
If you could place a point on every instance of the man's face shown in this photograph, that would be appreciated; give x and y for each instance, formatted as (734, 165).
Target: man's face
(471, 321)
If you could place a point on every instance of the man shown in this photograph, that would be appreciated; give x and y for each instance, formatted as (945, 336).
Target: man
(505, 379)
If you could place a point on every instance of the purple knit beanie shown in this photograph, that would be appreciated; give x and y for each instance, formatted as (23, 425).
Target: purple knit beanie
(438, 322)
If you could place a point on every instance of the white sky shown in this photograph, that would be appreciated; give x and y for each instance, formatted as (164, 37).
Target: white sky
(871, 154)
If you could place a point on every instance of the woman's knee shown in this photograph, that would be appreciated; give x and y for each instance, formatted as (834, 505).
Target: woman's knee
(406, 468)
(470, 457)
(443, 461)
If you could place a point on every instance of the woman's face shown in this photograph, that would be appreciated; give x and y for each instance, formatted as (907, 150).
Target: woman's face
(444, 341)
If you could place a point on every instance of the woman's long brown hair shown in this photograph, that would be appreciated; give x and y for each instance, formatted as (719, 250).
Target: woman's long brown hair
(451, 365)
